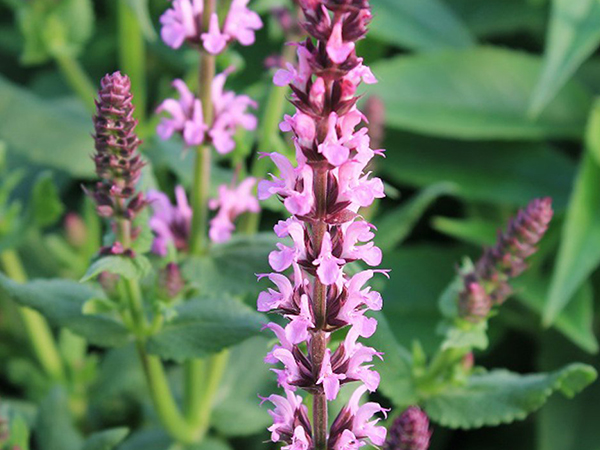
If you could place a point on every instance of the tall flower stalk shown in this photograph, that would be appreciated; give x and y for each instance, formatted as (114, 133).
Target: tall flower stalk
(323, 192)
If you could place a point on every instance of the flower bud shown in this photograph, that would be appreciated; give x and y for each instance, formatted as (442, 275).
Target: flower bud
(170, 281)
(75, 229)
(410, 431)
(474, 304)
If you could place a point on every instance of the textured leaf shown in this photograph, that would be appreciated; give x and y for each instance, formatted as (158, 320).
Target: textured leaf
(397, 382)
(578, 254)
(55, 429)
(491, 172)
(500, 396)
(203, 326)
(418, 24)
(61, 302)
(61, 139)
(105, 440)
(130, 268)
(239, 259)
(394, 227)
(480, 93)
(573, 36)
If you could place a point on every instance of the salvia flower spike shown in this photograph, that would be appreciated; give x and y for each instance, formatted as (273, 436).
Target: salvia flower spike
(488, 284)
(118, 162)
(323, 190)
(410, 431)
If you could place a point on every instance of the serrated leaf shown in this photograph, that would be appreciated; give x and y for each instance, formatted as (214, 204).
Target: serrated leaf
(471, 337)
(578, 254)
(239, 259)
(130, 268)
(46, 205)
(61, 302)
(418, 24)
(479, 93)
(573, 36)
(394, 227)
(397, 382)
(500, 396)
(105, 440)
(203, 326)
(62, 137)
(503, 173)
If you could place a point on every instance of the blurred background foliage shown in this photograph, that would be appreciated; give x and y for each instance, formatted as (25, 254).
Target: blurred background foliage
(487, 105)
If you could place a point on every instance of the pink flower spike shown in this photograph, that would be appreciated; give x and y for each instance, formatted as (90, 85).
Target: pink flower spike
(328, 265)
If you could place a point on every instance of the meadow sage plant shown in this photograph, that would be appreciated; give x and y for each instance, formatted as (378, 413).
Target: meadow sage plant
(323, 191)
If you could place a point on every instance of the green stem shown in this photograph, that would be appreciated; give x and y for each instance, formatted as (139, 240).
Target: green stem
(439, 369)
(37, 329)
(78, 80)
(200, 194)
(162, 398)
(132, 55)
(194, 372)
(215, 368)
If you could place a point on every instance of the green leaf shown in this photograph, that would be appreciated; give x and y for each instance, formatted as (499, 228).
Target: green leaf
(573, 36)
(130, 268)
(500, 173)
(61, 139)
(418, 24)
(397, 382)
(140, 7)
(479, 93)
(246, 376)
(19, 433)
(578, 253)
(500, 396)
(55, 429)
(46, 205)
(203, 326)
(394, 227)
(468, 337)
(61, 302)
(239, 259)
(105, 440)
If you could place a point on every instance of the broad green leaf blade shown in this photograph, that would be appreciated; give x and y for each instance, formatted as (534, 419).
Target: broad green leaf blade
(397, 382)
(61, 302)
(573, 36)
(43, 133)
(473, 231)
(578, 253)
(247, 376)
(232, 267)
(394, 227)
(105, 440)
(495, 172)
(418, 24)
(481, 93)
(500, 396)
(55, 429)
(203, 326)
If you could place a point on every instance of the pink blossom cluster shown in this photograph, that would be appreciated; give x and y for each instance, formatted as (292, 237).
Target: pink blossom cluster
(183, 22)
(323, 191)
(186, 116)
(231, 203)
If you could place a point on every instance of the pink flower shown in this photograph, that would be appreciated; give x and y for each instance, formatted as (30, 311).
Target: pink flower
(241, 22)
(329, 379)
(231, 203)
(186, 117)
(170, 223)
(287, 410)
(328, 269)
(181, 22)
(214, 41)
(337, 49)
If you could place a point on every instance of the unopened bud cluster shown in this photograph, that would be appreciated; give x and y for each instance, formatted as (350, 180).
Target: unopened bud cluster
(410, 431)
(118, 162)
(488, 285)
